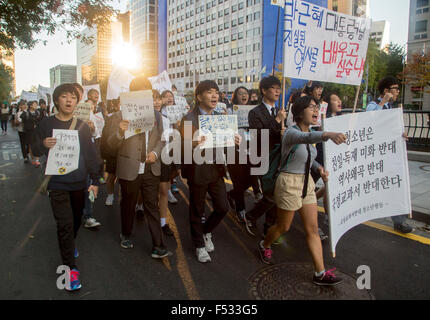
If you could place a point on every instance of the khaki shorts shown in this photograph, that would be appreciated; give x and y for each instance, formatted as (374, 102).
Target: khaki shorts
(289, 189)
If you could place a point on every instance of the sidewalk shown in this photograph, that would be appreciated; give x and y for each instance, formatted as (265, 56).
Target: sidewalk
(419, 173)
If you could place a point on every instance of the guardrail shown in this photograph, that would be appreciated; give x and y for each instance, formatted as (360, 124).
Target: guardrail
(417, 127)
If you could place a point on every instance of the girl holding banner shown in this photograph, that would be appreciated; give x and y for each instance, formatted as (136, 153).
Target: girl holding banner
(295, 188)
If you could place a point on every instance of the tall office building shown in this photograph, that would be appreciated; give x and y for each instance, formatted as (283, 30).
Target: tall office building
(62, 73)
(144, 32)
(94, 60)
(380, 32)
(418, 43)
(8, 59)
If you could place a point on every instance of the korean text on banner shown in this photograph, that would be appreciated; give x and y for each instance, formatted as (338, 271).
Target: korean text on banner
(138, 108)
(63, 158)
(242, 113)
(161, 82)
(324, 45)
(83, 111)
(369, 175)
(219, 130)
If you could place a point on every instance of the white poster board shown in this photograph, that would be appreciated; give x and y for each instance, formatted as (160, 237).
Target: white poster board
(219, 130)
(242, 113)
(83, 111)
(324, 45)
(63, 158)
(161, 82)
(28, 96)
(138, 108)
(119, 82)
(175, 113)
(369, 175)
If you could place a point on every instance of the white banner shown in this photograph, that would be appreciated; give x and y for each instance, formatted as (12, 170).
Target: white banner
(369, 175)
(242, 115)
(324, 45)
(138, 108)
(161, 82)
(63, 158)
(28, 96)
(119, 82)
(219, 130)
(83, 111)
(88, 88)
(279, 3)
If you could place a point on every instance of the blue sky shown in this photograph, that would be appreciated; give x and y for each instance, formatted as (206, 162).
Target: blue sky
(32, 67)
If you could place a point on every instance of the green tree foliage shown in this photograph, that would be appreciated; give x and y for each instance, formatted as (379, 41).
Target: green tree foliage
(5, 82)
(22, 20)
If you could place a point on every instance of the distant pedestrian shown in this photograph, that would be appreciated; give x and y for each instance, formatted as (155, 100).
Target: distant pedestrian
(4, 117)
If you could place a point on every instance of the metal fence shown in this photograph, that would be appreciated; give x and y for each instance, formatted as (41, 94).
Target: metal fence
(417, 127)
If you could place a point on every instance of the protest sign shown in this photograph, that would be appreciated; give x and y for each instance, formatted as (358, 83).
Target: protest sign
(63, 158)
(324, 45)
(242, 115)
(369, 175)
(43, 92)
(119, 81)
(28, 96)
(99, 123)
(176, 113)
(88, 88)
(83, 111)
(161, 82)
(221, 108)
(219, 130)
(138, 108)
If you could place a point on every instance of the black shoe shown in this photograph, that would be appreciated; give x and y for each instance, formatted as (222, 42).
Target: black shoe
(140, 215)
(403, 228)
(251, 226)
(159, 253)
(327, 279)
(167, 231)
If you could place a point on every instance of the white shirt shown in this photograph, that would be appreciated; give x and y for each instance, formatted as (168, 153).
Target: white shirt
(142, 164)
(269, 107)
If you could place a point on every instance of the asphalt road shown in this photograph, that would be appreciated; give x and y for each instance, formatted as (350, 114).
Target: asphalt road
(29, 255)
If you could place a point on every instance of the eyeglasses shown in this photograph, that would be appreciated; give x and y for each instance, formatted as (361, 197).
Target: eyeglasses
(314, 107)
(395, 88)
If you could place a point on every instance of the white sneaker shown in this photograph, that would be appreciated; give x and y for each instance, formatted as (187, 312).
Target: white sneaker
(208, 242)
(171, 198)
(91, 223)
(109, 200)
(202, 255)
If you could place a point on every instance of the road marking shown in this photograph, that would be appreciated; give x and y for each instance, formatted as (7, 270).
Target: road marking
(13, 156)
(182, 265)
(381, 227)
(6, 155)
(6, 165)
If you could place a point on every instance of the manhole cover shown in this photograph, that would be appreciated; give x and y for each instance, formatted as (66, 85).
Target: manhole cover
(294, 282)
(425, 168)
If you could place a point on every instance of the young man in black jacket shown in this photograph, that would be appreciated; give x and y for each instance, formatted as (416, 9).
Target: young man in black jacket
(67, 192)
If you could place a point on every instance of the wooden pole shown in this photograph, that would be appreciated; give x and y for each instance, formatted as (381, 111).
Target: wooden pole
(283, 100)
(276, 42)
(356, 99)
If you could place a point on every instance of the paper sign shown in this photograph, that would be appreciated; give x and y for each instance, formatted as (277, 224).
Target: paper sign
(369, 175)
(324, 45)
(242, 115)
(83, 111)
(176, 113)
(28, 96)
(221, 108)
(219, 130)
(63, 158)
(138, 108)
(161, 82)
(99, 123)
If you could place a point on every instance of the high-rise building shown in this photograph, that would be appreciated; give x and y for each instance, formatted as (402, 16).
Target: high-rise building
(94, 59)
(418, 43)
(144, 32)
(7, 57)
(380, 32)
(62, 73)
(358, 8)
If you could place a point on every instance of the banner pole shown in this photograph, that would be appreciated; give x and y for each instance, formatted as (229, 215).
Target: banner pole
(276, 42)
(356, 98)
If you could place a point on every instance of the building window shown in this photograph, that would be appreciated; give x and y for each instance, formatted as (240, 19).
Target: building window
(422, 3)
(421, 26)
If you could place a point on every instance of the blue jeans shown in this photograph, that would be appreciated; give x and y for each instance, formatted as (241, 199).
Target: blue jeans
(88, 209)
(399, 219)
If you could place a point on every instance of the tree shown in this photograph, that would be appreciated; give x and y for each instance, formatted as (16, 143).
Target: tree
(5, 82)
(21, 21)
(417, 73)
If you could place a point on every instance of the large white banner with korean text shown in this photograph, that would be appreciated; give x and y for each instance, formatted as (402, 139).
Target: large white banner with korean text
(369, 175)
(324, 45)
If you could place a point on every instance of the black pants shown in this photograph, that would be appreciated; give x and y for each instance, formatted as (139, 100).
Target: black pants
(4, 125)
(218, 193)
(265, 206)
(67, 207)
(24, 146)
(149, 185)
(239, 174)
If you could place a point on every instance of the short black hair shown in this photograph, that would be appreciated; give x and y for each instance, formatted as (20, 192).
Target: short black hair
(267, 82)
(42, 101)
(299, 107)
(31, 102)
(386, 83)
(205, 86)
(64, 88)
(234, 97)
(315, 85)
(91, 91)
